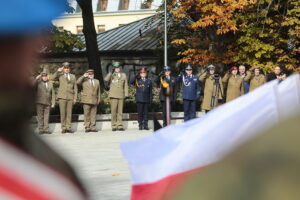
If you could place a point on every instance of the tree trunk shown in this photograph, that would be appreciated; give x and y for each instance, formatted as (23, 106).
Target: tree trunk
(90, 36)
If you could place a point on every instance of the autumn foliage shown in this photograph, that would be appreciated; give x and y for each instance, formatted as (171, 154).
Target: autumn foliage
(263, 33)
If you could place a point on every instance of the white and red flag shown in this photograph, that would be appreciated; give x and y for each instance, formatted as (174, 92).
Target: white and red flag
(23, 177)
(160, 163)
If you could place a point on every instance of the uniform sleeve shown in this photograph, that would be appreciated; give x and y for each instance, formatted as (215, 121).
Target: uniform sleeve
(221, 92)
(75, 90)
(226, 78)
(55, 76)
(126, 86)
(53, 96)
(248, 77)
(107, 77)
(203, 77)
(80, 80)
(132, 80)
(99, 93)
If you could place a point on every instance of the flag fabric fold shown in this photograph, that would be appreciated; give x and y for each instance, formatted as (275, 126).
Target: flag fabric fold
(160, 162)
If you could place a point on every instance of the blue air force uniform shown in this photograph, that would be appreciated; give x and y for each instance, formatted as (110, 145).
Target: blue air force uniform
(190, 94)
(143, 97)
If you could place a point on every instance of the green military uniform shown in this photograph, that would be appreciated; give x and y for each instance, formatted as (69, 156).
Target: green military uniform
(209, 90)
(90, 97)
(266, 168)
(118, 91)
(67, 95)
(44, 99)
(235, 87)
(257, 81)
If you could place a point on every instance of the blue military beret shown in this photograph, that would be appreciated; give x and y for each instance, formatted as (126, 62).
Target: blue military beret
(19, 17)
(167, 68)
(188, 67)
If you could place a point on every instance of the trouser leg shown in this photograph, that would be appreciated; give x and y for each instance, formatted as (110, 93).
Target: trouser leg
(193, 109)
(62, 109)
(46, 117)
(120, 113)
(113, 106)
(69, 114)
(40, 116)
(145, 113)
(140, 113)
(186, 107)
(87, 116)
(93, 117)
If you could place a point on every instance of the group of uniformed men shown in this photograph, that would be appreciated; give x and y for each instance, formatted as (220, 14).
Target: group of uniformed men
(237, 82)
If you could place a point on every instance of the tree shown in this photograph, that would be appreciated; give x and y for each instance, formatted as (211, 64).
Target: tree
(90, 36)
(263, 33)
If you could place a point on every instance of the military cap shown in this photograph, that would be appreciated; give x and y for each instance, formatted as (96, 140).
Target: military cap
(188, 67)
(19, 17)
(90, 71)
(66, 64)
(116, 65)
(143, 70)
(167, 68)
(44, 74)
(282, 73)
(211, 67)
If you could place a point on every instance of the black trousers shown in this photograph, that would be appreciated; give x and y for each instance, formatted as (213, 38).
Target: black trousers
(189, 107)
(142, 109)
(164, 111)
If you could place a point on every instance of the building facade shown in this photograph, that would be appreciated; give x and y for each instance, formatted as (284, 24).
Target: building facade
(108, 14)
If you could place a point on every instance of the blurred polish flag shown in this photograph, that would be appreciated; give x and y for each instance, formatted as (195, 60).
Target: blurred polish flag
(160, 163)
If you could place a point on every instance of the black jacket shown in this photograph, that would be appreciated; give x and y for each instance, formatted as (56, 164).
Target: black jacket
(143, 89)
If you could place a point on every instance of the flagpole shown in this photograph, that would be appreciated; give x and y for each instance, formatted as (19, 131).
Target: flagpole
(168, 110)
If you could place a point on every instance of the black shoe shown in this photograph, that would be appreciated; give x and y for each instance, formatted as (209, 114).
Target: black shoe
(69, 131)
(63, 131)
(140, 128)
(94, 130)
(121, 129)
(146, 128)
(87, 130)
(114, 129)
(47, 132)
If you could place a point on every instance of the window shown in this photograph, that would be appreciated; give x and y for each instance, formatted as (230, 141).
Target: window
(60, 29)
(100, 28)
(79, 29)
(102, 5)
(123, 4)
(146, 4)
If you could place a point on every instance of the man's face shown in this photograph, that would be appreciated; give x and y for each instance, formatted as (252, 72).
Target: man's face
(283, 77)
(188, 71)
(167, 73)
(44, 78)
(234, 72)
(143, 74)
(256, 72)
(277, 70)
(118, 69)
(91, 75)
(242, 69)
(66, 70)
(211, 71)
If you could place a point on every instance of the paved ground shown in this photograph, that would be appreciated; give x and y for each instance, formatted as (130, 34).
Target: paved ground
(98, 160)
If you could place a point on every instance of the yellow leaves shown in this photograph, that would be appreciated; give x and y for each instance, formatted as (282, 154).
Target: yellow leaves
(179, 41)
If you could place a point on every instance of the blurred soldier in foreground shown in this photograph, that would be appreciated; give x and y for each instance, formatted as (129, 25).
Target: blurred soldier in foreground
(190, 92)
(143, 96)
(118, 91)
(257, 79)
(168, 87)
(30, 169)
(45, 98)
(266, 168)
(213, 89)
(90, 97)
(67, 95)
(275, 74)
(234, 83)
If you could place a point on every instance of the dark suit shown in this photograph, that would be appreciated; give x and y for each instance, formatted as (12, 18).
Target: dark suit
(190, 94)
(171, 81)
(143, 97)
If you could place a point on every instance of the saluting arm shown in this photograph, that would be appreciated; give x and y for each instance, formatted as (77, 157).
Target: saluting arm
(248, 77)
(108, 77)
(226, 78)
(80, 80)
(203, 77)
